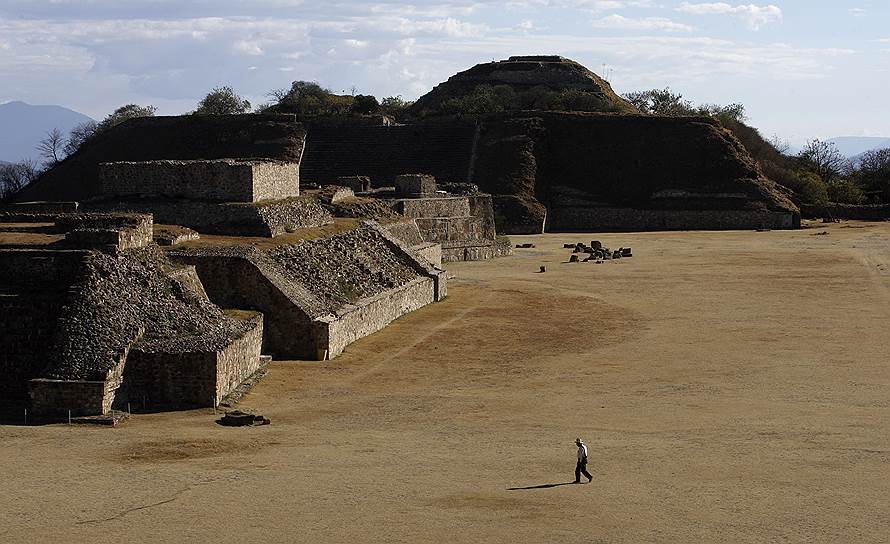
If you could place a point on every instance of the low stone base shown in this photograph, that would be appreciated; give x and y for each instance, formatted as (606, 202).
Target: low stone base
(476, 251)
(268, 218)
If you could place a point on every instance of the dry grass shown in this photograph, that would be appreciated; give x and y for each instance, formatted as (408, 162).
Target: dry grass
(732, 387)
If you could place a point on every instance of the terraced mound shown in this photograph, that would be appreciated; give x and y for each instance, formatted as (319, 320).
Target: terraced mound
(534, 81)
(346, 267)
(122, 296)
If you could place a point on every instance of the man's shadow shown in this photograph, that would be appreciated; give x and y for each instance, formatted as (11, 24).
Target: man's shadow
(542, 486)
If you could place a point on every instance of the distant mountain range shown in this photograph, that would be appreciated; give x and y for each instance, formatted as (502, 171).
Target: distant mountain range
(22, 126)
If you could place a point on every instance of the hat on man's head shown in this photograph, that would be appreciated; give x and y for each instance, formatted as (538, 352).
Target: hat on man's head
(578, 440)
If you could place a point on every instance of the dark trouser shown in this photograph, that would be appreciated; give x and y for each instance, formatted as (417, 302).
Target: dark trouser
(581, 468)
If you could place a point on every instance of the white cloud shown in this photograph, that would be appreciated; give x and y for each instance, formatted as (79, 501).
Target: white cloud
(601, 5)
(645, 23)
(753, 15)
(248, 47)
(857, 12)
(448, 26)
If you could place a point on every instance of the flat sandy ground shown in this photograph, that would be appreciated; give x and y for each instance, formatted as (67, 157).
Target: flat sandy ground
(732, 387)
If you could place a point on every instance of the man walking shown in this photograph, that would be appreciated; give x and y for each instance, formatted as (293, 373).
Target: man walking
(581, 467)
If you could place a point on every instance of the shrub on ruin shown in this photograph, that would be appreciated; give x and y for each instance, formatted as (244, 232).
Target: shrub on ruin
(309, 99)
(395, 106)
(222, 101)
(482, 99)
(660, 102)
(124, 113)
(365, 104)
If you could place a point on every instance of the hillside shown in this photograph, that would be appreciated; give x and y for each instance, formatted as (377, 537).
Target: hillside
(22, 126)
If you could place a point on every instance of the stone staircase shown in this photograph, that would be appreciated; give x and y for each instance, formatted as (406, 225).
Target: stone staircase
(384, 152)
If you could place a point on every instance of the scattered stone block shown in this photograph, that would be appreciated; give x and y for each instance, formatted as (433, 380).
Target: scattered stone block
(568, 246)
(237, 418)
(574, 259)
(596, 244)
(626, 252)
(543, 269)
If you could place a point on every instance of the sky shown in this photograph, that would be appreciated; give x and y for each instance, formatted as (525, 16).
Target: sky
(803, 68)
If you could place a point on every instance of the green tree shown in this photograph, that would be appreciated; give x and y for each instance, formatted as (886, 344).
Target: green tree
(873, 172)
(845, 191)
(661, 102)
(308, 99)
(222, 101)
(825, 160)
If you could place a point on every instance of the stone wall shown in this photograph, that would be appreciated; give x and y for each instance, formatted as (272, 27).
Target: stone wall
(53, 399)
(34, 286)
(464, 227)
(240, 360)
(450, 229)
(299, 323)
(192, 378)
(367, 316)
(40, 207)
(876, 212)
(40, 269)
(246, 280)
(476, 251)
(114, 232)
(482, 208)
(409, 234)
(430, 251)
(442, 148)
(406, 231)
(221, 180)
(592, 219)
(433, 207)
(27, 322)
(270, 218)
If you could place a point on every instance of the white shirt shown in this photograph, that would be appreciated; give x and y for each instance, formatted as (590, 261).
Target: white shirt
(582, 451)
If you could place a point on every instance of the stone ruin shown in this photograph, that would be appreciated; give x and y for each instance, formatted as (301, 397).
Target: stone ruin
(97, 320)
(463, 225)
